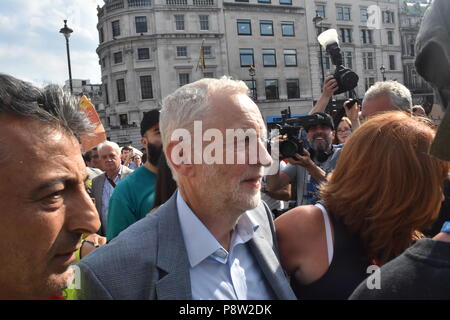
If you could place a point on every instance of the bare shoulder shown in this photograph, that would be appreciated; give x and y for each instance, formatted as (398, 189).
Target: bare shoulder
(299, 232)
(300, 221)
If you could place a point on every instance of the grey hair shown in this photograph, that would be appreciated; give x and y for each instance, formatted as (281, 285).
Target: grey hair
(111, 144)
(191, 103)
(399, 95)
(50, 105)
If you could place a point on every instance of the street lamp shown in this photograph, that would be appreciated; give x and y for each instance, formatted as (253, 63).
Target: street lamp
(66, 32)
(252, 72)
(317, 21)
(383, 70)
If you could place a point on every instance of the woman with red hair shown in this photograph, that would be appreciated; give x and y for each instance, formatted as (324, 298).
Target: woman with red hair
(384, 191)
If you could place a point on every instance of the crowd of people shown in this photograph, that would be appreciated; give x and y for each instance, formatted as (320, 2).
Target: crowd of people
(370, 191)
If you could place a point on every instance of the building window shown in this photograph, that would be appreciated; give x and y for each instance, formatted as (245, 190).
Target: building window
(123, 118)
(388, 17)
(244, 27)
(269, 58)
(264, 1)
(343, 13)
(101, 35)
(184, 78)
(287, 29)
(346, 35)
(326, 61)
(266, 27)
(208, 74)
(321, 29)
(390, 36)
(271, 89)
(182, 52)
(391, 62)
(106, 94)
(141, 24)
(412, 51)
(320, 10)
(348, 59)
(118, 57)
(290, 57)
(241, 0)
(246, 57)
(204, 22)
(366, 36)
(121, 96)
(288, 2)
(251, 85)
(364, 14)
(115, 28)
(179, 22)
(143, 53)
(368, 60)
(369, 82)
(104, 62)
(293, 89)
(207, 51)
(146, 87)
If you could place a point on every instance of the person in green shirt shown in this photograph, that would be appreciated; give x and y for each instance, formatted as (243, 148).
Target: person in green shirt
(133, 197)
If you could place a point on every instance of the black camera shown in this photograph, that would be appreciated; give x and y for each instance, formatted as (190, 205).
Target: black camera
(291, 126)
(346, 79)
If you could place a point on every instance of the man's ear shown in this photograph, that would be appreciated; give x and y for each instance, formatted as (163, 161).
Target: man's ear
(179, 156)
(144, 142)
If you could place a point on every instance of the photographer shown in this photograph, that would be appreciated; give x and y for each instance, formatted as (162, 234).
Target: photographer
(310, 169)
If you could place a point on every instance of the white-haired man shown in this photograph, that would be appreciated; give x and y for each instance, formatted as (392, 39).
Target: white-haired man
(104, 184)
(214, 239)
(386, 96)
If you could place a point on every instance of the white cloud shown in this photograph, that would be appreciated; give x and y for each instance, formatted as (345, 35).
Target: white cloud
(29, 34)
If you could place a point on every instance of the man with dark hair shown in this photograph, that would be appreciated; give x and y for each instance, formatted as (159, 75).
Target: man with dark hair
(125, 155)
(310, 169)
(45, 206)
(134, 197)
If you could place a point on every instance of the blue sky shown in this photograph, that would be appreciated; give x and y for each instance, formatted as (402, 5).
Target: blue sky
(32, 49)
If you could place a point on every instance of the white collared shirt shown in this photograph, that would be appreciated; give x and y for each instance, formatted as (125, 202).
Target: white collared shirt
(216, 273)
(108, 189)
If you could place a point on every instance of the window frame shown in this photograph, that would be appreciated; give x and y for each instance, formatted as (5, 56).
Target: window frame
(115, 25)
(272, 54)
(136, 23)
(179, 21)
(285, 55)
(115, 55)
(266, 87)
(341, 16)
(241, 55)
(140, 50)
(266, 23)
(297, 88)
(246, 22)
(180, 49)
(203, 21)
(141, 83)
(122, 86)
(287, 23)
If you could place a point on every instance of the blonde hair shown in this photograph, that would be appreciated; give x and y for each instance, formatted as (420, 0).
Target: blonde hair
(386, 187)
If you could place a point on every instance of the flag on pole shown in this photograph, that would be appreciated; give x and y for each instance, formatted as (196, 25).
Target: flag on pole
(201, 59)
(88, 142)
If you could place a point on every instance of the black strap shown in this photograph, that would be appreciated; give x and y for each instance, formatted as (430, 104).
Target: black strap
(111, 182)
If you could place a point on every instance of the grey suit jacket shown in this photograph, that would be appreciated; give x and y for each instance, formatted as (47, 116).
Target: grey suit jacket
(97, 192)
(149, 260)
